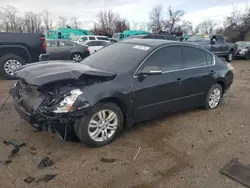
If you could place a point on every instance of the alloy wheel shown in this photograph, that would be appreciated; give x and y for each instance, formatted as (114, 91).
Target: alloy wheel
(214, 98)
(11, 66)
(103, 125)
(77, 57)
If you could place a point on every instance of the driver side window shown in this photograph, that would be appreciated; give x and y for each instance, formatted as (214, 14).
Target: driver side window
(166, 58)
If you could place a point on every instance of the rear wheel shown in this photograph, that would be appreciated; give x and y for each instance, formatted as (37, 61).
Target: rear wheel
(9, 64)
(77, 57)
(213, 97)
(100, 126)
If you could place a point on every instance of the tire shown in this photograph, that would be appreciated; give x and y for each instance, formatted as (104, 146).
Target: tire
(83, 131)
(5, 62)
(247, 57)
(229, 57)
(77, 57)
(211, 91)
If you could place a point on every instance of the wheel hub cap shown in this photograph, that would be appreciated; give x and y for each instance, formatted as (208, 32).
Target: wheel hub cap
(11, 66)
(214, 98)
(103, 125)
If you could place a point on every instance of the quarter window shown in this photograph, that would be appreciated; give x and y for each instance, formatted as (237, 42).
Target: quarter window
(91, 38)
(194, 57)
(167, 58)
(209, 59)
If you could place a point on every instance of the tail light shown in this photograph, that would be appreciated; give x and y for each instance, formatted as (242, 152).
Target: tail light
(43, 43)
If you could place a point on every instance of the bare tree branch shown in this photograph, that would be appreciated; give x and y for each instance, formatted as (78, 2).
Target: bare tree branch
(207, 26)
(62, 21)
(75, 23)
(174, 17)
(156, 18)
(46, 19)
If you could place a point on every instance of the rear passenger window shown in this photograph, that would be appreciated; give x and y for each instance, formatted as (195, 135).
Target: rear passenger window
(167, 58)
(91, 38)
(194, 57)
(102, 38)
(209, 59)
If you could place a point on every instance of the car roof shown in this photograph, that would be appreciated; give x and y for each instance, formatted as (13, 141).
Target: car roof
(149, 42)
(156, 43)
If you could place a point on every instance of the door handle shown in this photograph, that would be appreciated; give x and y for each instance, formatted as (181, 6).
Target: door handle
(179, 80)
(212, 72)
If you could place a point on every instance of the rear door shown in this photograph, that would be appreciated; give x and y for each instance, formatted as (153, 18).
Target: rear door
(197, 75)
(65, 48)
(52, 49)
(157, 94)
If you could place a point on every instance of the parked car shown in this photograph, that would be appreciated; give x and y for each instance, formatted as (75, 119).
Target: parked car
(124, 83)
(243, 49)
(216, 44)
(152, 36)
(86, 38)
(96, 45)
(17, 49)
(66, 50)
(112, 40)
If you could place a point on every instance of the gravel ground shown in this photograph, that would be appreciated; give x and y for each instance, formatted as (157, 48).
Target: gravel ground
(184, 150)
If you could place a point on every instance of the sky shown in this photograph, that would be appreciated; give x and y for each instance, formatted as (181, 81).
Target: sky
(136, 11)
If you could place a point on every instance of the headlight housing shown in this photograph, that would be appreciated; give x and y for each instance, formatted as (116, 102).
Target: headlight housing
(66, 105)
(243, 50)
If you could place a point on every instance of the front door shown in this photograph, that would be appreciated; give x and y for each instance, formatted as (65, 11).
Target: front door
(155, 95)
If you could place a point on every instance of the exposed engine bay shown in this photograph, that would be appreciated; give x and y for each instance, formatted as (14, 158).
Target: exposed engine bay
(54, 107)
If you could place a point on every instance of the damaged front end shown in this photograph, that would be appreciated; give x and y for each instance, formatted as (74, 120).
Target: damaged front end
(53, 107)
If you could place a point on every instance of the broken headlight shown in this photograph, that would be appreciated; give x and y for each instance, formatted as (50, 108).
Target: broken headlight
(66, 105)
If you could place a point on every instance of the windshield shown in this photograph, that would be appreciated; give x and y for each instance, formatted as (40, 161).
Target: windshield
(118, 58)
(198, 38)
(75, 38)
(243, 44)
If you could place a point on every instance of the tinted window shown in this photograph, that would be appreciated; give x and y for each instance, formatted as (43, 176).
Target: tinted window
(83, 39)
(102, 38)
(117, 58)
(102, 43)
(194, 57)
(51, 43)
(168, 58)
(65, 43)
(220, 38)
(91, 38)
(209, 59)
(93, 43)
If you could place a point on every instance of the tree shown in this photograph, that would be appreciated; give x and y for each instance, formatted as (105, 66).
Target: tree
(62, 21)
(156, 18)
(9, 19)
(107, 22)
(239, 21)
(186, 26)
(174, 18)
(207, 26)
(75, 23)
(33, 23)
(46, 19)
(121, 25)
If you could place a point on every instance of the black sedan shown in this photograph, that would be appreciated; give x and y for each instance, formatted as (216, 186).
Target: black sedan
(122, 84)
(66, 50)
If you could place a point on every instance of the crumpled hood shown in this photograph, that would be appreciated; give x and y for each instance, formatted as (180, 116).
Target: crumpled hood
(45, 72)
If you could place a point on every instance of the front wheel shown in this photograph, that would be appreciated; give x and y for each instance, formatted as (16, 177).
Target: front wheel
(229, 57)
(100, 126)
(214, 96)
(247, 57)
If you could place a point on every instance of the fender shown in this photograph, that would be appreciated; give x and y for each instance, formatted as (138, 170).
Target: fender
(98, 92)
(18, 46)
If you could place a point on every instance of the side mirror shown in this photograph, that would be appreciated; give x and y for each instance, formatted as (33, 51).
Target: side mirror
(150, 70)
(213, 41)
(44, 57)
